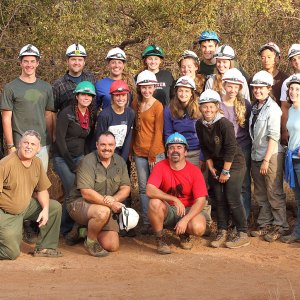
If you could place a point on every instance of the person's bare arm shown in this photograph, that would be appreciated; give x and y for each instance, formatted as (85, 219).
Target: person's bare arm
(49, 123)
(7, 129)
(284, 132)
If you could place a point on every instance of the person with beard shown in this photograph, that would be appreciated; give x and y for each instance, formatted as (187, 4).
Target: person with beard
(177, 194)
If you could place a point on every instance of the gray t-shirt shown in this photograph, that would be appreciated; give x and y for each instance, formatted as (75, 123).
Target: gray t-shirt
(28, 103)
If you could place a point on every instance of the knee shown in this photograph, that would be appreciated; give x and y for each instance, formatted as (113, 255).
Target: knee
(102, 213)
(155, 205)
(9, 248)
(197, 227)
(109, 240)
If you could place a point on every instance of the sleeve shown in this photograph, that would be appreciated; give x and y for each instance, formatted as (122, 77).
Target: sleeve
(283, 94)
(62, 125)
(7, 99)
(156, 174)
(229, 140)
(50, 99)
(44, 182)
(128, 138)
(274, 121)
(158, 131)
(168, 123)
(85, 175)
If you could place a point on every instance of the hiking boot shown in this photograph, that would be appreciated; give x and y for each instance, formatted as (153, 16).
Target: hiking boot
(95, 249)
(220, 238)
(232, 234)
(29, 235)
(162, 247)
(240, 240)
(146, 229)
(185, 241)
(274, 234)
(72, 237)
(262, 231)
(291, 238)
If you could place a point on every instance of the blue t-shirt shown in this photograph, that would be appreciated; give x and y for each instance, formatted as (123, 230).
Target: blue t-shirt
(102, 92)
(293, 127)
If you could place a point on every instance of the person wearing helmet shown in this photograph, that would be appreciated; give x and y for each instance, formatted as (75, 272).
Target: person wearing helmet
(270, 57)
(209, 42)
(226, 163)
(189, 65)
(64, 86)
(152, 58)
(147, 142)
(102, 184)
(294, 59)
(237, 110)
(225, 56)
(74, 129)
(267, 160)
(116, 59)
(292, 161)
(118, 118)
(177, 193)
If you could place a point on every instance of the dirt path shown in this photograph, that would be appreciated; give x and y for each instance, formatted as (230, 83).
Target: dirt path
(260, 271)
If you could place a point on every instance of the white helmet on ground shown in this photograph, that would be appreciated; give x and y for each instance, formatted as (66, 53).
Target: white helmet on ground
(209, 96)
(186, 81)
(294, 50)
(29, 50)
(146, 78)
(225, 52)
(128, 218)
(76, 50)
(262, 78)
(116, 53)
(233, 75)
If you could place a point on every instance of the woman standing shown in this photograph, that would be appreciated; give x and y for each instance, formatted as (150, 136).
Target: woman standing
(237, 110)
(224, 61)
(147, 142)
(267, 160)
(75, 125)
(292, 162)
(226, 164)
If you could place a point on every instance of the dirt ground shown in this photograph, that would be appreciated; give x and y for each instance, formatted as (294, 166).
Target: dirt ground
(259, 271)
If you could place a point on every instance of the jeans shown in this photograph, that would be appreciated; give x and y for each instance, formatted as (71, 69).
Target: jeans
(296, 164)
(143, 172)
(67, 178)
(246, 188)
(228, 199)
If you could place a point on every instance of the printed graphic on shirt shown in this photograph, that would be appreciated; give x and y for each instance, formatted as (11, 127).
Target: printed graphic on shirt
(177, 192)
(120, 133)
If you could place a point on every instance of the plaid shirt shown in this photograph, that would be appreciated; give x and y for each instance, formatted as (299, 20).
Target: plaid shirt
(63, 89)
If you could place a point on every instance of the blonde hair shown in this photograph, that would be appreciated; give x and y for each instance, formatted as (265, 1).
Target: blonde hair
(218, 84)
(177, 111)
(240, 109)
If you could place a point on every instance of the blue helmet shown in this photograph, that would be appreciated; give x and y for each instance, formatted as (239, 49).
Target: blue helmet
(176, 138)
(208, 35)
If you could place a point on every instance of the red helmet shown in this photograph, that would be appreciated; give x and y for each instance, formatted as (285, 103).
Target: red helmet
(119, 87)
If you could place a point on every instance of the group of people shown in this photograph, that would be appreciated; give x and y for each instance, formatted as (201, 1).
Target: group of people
(217, 127)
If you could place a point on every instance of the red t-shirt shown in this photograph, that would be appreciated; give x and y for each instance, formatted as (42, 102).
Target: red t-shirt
(186, 184)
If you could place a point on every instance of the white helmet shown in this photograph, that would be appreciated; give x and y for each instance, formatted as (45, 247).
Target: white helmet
(146, 78)
(270, 46)
(189, 54)
(186, 81)
(294, 50)
(29, 50)
(76, 50)
(116, 53)
(209, 96)
(128, 218)
(293, 79)
(262, 78)
(234, 76)
(224, 52)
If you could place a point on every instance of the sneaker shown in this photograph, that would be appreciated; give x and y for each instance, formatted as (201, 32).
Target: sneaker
(95, 249)
(220, 239)
(162, 247)
(291, 238)
(232, 234)
(262, 231)
(185, 241)
(29, 235)
(274, 234)
(72, 237)
(240, 240)
(146, 229)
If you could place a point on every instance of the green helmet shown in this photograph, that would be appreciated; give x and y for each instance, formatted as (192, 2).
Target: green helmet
(153, 50)
(85, 87)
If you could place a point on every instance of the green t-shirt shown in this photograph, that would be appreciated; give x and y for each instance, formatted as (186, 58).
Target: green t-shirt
(28, 103)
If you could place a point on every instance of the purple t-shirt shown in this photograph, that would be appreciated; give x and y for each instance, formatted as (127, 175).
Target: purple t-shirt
(241, 133)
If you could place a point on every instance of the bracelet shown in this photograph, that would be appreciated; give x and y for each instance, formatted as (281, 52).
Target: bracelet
(266, 160)
(225, 172)
(10, 146)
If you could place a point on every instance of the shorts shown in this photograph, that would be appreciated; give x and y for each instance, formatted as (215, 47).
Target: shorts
(78, 211)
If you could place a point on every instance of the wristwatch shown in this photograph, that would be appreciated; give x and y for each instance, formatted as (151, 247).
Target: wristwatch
(10, 146)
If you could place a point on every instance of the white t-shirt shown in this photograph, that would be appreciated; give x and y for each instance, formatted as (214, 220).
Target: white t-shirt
(283, 94)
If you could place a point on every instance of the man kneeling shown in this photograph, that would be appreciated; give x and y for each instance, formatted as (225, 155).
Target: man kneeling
(101, 184)
(177, 191)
